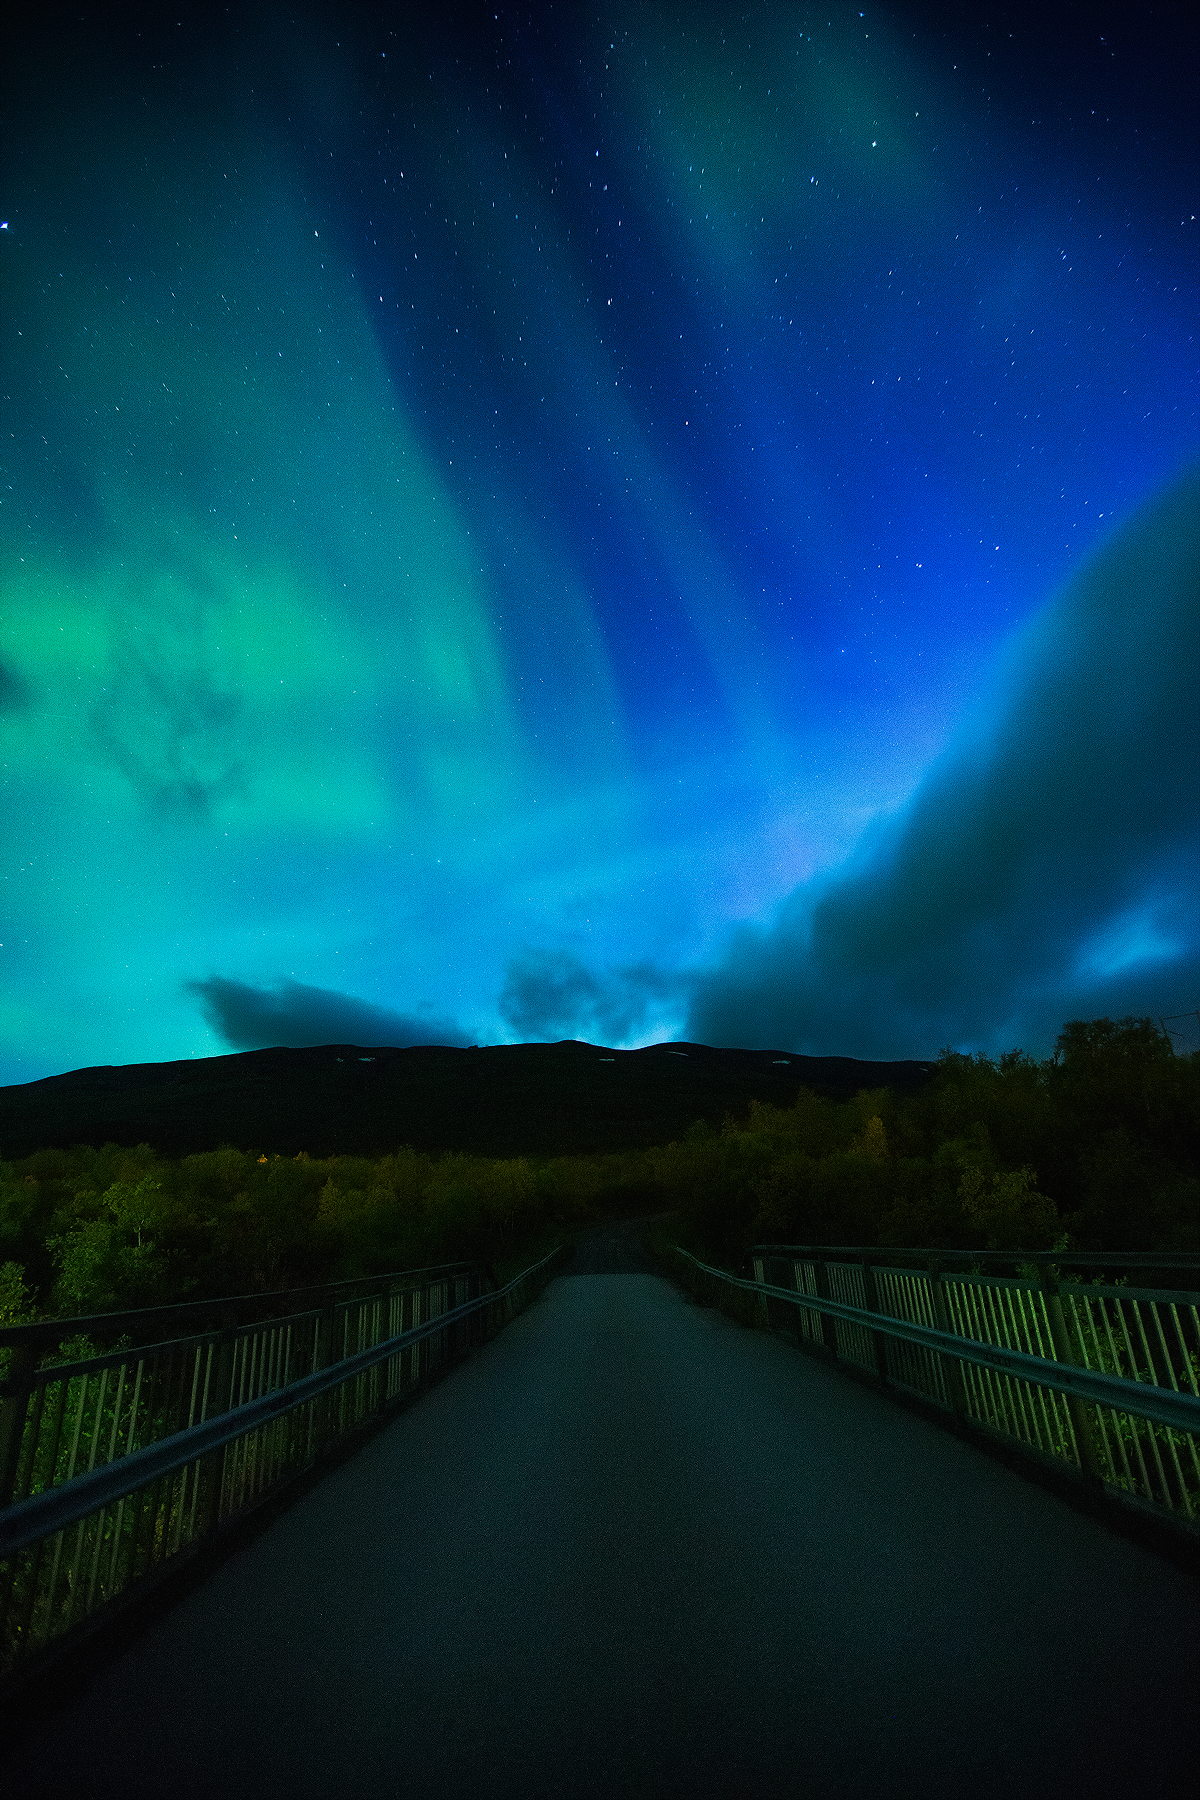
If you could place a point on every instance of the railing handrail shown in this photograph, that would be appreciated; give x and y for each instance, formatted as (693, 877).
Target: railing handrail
(1089, 1259)
(53, 1331)
(1165, 1406)
(57, 1507)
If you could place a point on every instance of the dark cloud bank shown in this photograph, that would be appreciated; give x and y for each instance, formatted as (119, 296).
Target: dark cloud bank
(1046, 869)
(552, 994)
(292, 1014)
(1048, 866)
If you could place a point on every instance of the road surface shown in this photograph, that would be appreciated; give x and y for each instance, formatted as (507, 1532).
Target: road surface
(631, 1549)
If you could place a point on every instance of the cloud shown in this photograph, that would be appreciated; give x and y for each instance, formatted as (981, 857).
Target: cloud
(551, 994)
(1048, 865)
(14, 693)
(293, 1014)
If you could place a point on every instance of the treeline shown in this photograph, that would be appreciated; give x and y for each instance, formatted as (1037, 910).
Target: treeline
(1095, 1148)
(86, 1230)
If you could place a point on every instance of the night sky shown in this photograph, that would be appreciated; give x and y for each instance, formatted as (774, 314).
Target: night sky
(624, 523)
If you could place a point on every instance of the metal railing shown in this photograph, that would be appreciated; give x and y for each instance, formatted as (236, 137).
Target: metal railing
(1092, 1373)
(117, 1465)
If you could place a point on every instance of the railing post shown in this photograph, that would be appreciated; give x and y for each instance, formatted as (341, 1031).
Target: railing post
(438, 1288)
(322, 1407)
(1082, 1412)
(13, 1412)
(456, 1295)
(871, 1302)
(764, 1303)
(828, 1325)
(212, 1466)
(384, 1327)
(766, 1272)
(802, 1319)
(951, 1366)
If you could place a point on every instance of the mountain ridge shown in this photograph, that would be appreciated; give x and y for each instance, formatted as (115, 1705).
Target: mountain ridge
(566, 1098)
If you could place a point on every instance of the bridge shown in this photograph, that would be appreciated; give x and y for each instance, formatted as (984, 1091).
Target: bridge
(625, 1547)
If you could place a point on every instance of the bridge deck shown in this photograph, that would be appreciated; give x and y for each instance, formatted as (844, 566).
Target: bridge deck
(632, 1549)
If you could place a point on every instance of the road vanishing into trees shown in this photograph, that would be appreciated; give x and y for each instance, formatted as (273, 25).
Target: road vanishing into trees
(631, 1549)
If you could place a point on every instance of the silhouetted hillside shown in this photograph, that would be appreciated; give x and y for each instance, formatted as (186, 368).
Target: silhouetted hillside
(506, 1100)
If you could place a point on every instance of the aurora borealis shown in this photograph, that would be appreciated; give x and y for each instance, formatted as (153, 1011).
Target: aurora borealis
(632, 523)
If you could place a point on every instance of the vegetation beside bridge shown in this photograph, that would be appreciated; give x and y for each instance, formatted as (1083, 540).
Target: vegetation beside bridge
(1094, 1148)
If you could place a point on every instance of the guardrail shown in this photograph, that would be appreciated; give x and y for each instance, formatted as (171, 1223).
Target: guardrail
(1096, 1375)
(121, 1464)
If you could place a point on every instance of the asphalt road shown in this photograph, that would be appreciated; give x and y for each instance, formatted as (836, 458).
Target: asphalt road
(614, 1248)
(631, 1549)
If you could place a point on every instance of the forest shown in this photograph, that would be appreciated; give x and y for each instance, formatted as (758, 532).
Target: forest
(1094, 1148)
